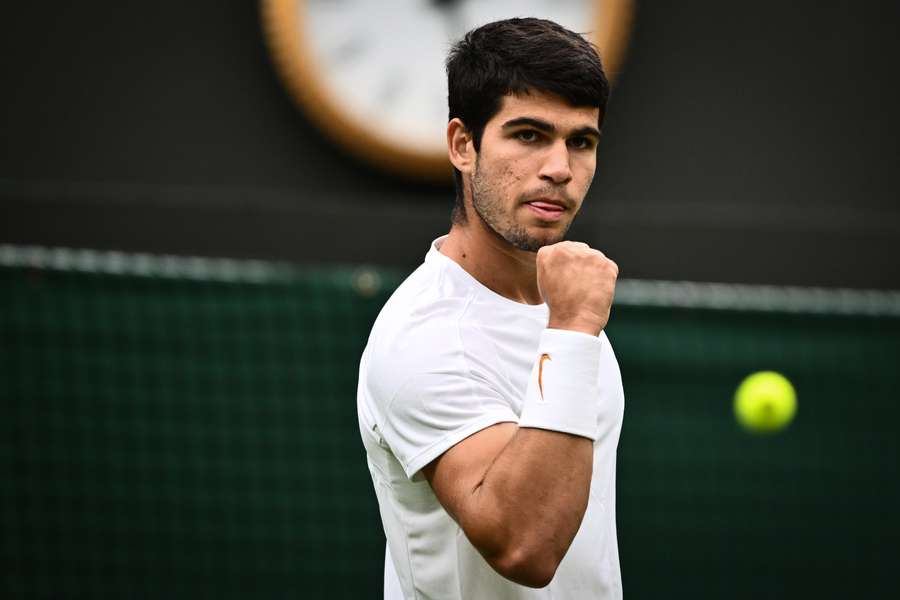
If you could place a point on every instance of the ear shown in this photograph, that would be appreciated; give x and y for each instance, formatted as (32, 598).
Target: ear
(459, 146)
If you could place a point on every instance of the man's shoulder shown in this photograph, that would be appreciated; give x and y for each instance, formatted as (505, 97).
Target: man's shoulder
(416, 333)
(427, 300)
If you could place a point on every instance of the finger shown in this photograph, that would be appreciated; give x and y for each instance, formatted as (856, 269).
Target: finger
(615, 266)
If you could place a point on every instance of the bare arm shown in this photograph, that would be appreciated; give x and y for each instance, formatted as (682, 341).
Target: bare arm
(520, 493)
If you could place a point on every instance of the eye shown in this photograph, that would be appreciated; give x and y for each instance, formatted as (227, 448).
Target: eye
(581, 143)
(526, 135)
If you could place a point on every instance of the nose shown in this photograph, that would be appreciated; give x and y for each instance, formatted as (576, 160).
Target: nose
(556, 168)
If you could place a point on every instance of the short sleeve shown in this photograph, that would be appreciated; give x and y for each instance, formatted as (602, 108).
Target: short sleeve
(443, 394)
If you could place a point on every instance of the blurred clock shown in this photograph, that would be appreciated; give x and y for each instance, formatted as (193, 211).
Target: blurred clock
(371, 73)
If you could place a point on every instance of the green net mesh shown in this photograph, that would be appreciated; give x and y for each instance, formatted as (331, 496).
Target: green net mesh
(187, 428)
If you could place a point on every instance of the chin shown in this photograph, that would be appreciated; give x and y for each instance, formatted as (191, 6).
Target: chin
(534, 242)
(550, 235)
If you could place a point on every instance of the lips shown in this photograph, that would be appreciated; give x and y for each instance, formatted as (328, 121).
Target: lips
(546, 210)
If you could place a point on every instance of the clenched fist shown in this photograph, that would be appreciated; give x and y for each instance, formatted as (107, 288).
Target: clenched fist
(578, 284)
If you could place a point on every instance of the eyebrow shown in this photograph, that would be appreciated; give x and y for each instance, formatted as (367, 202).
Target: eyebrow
(549, 128)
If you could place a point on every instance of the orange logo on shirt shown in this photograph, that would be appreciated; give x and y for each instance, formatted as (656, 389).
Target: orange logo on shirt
(541, 373)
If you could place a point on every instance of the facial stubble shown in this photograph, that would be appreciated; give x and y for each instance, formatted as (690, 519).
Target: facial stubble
(487, 200)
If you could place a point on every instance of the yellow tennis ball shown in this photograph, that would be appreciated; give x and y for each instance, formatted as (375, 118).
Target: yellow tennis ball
(765, 402)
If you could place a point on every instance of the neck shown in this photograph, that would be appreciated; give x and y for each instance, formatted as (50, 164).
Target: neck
(493, 261)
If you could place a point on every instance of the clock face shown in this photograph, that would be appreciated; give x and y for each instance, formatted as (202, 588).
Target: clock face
(372, 73)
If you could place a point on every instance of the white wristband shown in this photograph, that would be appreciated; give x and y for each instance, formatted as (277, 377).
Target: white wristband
(563, 391)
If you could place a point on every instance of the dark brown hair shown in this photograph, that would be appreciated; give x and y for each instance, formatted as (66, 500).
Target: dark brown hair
(516, 56)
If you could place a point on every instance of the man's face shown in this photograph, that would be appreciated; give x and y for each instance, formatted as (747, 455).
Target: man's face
(535, 165)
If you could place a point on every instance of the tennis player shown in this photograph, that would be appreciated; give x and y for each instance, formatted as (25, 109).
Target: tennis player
(490, 402)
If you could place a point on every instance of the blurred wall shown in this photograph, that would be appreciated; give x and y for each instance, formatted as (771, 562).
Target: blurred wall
(751, 142)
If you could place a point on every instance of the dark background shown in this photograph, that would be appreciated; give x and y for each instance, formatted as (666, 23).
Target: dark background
(747, 142)
(167, 436)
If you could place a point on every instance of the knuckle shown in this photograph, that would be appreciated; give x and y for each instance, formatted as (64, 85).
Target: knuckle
(613, 266)
(574, 248)
(547, 253)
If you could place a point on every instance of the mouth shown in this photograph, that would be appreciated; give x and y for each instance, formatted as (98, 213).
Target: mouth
(546, 209)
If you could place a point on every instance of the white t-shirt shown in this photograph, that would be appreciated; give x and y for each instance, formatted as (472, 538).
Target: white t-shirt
(446, 358)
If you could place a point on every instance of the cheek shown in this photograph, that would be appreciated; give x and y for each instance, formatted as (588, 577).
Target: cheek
(586, 176)
(588, 181)
(508, 176)
(521, 169)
